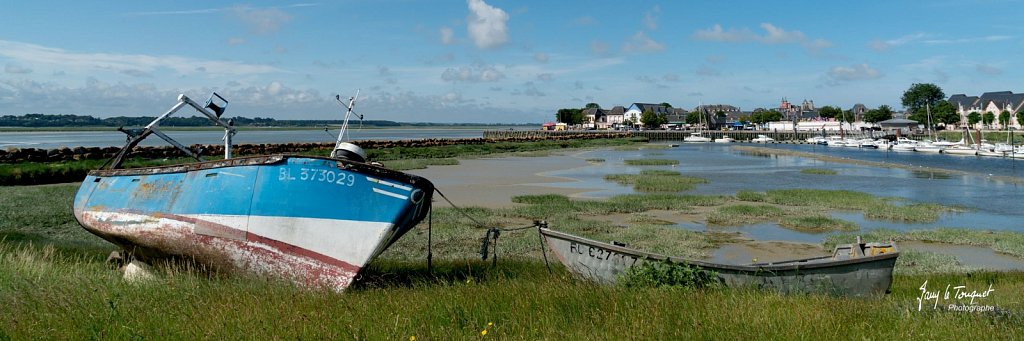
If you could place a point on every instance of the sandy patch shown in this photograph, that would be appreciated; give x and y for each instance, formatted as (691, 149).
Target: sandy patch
(493, 182)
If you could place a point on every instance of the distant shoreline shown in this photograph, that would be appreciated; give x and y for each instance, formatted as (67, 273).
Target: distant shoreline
(247, 128)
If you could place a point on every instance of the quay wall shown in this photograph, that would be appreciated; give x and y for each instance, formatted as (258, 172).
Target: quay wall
(18, 155)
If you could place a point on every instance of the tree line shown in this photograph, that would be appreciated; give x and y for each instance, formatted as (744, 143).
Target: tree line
(921, 99)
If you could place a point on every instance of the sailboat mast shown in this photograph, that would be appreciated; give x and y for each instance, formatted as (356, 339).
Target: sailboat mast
(928, 111)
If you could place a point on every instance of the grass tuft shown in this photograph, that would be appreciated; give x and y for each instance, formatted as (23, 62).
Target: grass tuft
(654, 180)
(817, 224)
(818, 171)
(651, 162)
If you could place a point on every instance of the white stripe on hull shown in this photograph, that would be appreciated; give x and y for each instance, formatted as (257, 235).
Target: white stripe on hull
(222, 239)
(349, 241)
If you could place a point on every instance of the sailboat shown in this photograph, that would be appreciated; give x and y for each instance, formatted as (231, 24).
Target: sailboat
(317, 221)
(964, 147)
(927, 146)
(698, 136)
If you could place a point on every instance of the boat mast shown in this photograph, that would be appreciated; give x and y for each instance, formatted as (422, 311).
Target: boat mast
(344, 125)
(213, 110)
(928, 111)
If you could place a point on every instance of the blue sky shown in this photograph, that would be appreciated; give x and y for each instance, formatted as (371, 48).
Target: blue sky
(495, 61)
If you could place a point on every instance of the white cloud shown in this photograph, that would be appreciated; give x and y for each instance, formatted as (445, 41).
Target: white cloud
(716, 33)
(991, 38)
(261, 20)
(857, 72)
(16, 69)
(487, 25)
(651, 18)
(773, 35)
(40, 55)
(641, 43)
(541, 57)
(235, 41)
(671, 77)
(447, 36)
(882, 45)
(472, 74)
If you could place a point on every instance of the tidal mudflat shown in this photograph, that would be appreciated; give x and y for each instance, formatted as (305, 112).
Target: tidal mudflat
(731, 171)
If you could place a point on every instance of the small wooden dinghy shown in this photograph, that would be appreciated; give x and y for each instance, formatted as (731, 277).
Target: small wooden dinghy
(859, 270)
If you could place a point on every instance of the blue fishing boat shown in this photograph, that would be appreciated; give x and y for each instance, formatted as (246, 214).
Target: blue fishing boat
(316, 220)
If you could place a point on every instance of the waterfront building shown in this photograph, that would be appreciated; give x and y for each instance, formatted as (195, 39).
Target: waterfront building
(991, 102)
(597, 118)
(636, 111)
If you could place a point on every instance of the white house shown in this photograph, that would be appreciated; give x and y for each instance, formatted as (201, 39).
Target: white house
(992, 102)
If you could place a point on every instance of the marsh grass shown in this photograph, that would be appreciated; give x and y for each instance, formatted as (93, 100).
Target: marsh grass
(595, 160)
(657, 180)
(645, 218)
(818, 171)
(492, 148)
(751, 196)
(735, 215)
(817, 224)
(651, 162)
(874, 208)
(409, 164)
(643, 147)
(1000, 241)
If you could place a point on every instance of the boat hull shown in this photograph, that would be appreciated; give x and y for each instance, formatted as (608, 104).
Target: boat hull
(316, 221)
(859, 277)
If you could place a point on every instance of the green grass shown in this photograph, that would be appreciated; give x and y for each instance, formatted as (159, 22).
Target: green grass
(817, 224)
(651, 162)
(62, 297)
(656, 180)
(53, 283)
(751, 196)
(595, 160)
(818, 171)
(41, 215)
(38, 173)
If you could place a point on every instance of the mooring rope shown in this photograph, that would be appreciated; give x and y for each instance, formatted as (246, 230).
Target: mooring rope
(477, 222)
(491, 236)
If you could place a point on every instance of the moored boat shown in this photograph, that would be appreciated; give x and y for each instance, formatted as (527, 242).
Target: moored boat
(860, 270)
(315, 220)
(696, 137)
(725, 139)
(762, 139)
